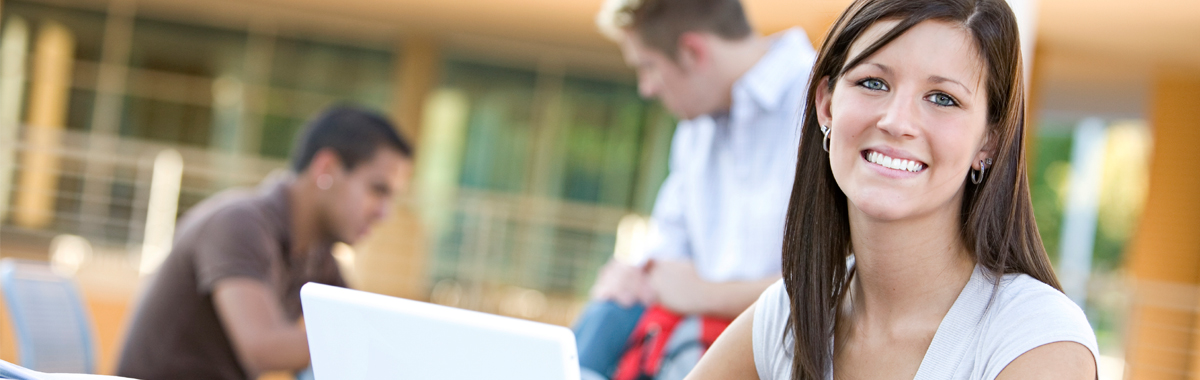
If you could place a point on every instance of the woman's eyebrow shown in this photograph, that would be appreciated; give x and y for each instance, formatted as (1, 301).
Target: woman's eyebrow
(886, 70)
(940, 79)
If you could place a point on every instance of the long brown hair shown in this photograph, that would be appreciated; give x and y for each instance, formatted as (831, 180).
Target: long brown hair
(997, 216)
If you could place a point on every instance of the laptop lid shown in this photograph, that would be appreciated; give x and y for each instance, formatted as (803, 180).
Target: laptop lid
(358, 335)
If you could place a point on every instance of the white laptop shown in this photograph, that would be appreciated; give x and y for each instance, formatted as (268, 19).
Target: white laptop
(359, 335)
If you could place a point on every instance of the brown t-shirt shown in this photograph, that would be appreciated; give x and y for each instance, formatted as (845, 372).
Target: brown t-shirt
(175, 332)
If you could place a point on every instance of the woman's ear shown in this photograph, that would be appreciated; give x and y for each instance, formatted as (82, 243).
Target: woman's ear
(986, 150)
(824, 93)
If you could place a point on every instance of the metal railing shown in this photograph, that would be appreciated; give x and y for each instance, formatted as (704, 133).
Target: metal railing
(100, 187)
(525, 256)
(522, 256)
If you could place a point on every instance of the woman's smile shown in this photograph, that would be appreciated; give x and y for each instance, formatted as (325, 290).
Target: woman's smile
(892, 163)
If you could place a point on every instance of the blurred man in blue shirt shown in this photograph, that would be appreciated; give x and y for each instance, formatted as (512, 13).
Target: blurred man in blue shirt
(720, 213)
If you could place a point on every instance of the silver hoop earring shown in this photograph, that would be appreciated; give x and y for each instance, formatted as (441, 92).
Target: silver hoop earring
(324, 181)
(825, 141)
(983, 164)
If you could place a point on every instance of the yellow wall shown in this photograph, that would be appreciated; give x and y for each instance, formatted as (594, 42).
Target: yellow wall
(1164, 257)
(49, 89)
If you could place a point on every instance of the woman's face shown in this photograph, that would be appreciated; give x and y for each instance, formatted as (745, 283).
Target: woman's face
(908, 122)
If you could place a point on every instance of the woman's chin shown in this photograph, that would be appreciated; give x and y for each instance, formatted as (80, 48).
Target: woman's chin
(883, 208)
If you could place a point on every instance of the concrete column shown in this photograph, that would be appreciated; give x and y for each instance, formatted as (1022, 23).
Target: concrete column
(160, 210)
(417, 75)
(393, 260)
(547, 171)
(260, 55)
(439, 162)
(1027, 17)
(106, 114)
(14, 49)
(1164, 255)
(49, 93)
(240, 98)
(1078, 233)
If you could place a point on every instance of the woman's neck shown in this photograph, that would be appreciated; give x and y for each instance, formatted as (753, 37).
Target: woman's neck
(907, 273)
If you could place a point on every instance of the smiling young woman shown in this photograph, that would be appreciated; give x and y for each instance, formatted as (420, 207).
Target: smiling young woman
(911, 249)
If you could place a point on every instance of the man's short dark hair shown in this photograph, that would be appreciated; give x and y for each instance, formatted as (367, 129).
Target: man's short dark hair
(659, 23)
(354, 134)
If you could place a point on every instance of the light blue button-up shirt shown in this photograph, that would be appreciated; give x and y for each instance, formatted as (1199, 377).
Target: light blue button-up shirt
(723, 203)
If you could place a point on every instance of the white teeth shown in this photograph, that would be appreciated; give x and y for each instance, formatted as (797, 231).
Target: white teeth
(894, 163)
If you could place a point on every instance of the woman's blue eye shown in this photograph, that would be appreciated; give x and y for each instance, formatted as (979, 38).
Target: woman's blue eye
(873, 84)
(942, 100)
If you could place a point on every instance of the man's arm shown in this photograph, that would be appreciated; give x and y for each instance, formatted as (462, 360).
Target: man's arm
(680, 289)
(622, 283)
(254, 321)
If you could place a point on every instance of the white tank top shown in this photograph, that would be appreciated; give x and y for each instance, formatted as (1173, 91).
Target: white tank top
(974, 341)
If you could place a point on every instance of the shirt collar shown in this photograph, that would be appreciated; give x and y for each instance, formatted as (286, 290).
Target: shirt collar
(790, 59)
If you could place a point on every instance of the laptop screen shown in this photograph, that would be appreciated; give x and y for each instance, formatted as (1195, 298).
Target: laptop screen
(359, 335)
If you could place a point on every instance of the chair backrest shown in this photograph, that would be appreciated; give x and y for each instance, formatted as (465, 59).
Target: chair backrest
(54, 332)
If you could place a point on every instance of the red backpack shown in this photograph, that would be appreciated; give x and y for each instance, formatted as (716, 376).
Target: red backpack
(646, 351)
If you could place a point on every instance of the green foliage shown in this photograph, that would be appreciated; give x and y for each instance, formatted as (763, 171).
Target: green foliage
(1047, 175)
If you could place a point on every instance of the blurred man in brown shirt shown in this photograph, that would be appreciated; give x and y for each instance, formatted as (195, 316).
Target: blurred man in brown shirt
(226, 302)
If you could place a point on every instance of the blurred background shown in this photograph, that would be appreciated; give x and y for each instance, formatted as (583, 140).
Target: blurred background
(118, 115)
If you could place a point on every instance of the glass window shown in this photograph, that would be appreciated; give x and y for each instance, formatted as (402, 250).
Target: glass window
(307, 76)
(500, 135)
(170, 82)
(550, 163)
(350, 73)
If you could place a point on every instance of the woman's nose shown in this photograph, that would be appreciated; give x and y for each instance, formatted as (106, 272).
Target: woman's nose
(900, 116)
